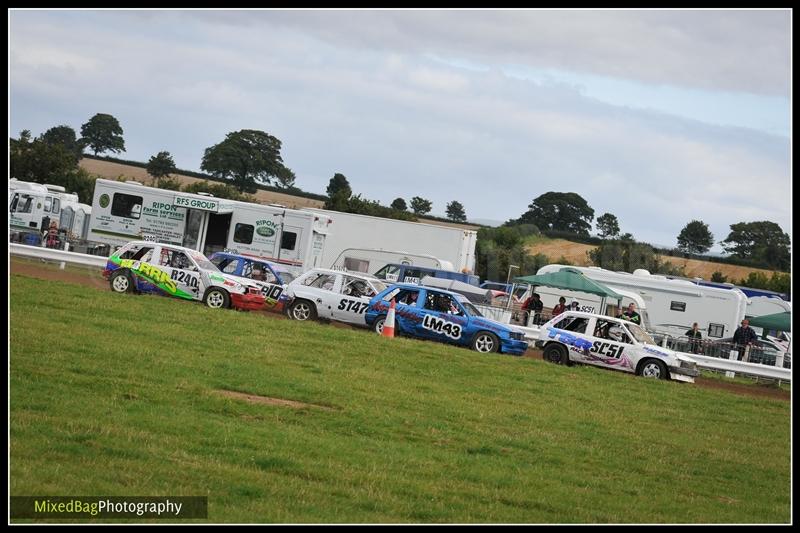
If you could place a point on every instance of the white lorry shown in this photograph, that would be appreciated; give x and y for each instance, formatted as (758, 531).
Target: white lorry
(125, 211)
(674, 305)
(366, 244)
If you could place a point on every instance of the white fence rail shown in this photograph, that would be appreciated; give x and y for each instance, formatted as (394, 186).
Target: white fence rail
(741, 367)
(51, 254)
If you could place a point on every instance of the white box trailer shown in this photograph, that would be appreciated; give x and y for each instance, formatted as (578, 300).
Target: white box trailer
(126, 211)
(673, 305)
(366, 243)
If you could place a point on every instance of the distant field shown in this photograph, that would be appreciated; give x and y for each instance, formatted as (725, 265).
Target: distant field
(133, 395)
(110, 170)
(576, 253)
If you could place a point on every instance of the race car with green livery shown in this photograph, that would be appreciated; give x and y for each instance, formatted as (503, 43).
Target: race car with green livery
(169, 270)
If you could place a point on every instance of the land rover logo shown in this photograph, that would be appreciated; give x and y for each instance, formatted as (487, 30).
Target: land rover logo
(265, 231)
(104, 200)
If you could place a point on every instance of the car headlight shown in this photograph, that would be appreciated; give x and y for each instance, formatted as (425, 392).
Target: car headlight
(517, 336)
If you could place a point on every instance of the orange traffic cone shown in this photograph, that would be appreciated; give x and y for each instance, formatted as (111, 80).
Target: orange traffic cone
(388, 325)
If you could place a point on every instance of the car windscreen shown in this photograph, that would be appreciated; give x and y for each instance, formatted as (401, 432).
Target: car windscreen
(639, 334)
(203, 262)
(379, 286)
(471, 309)
(286, 277)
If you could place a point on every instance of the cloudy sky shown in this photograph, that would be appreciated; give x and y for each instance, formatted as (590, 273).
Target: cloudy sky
(659, 117)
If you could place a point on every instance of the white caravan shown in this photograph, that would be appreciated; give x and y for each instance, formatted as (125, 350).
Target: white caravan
(125, 211)
(32, 206)
(370, 243)
(673, 305)
(364, 259)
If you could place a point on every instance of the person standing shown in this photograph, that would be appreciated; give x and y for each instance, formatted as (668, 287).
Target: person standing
(743, 337)
(695, 336)
(561, 307)
(631, 314)
(532, 305)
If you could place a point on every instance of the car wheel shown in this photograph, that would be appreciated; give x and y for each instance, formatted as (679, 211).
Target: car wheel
(485, 342)
(303, 310)
(378, 325)
(653, 368)
(121, 282)
(555, 353)
(216, 298)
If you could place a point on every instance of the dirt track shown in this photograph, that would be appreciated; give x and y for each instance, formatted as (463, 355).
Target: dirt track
(93, 278)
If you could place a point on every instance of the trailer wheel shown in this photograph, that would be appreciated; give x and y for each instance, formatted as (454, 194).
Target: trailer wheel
(653, 368)
(303, 310)
(555, 353)
(121, 281)
(216, 298)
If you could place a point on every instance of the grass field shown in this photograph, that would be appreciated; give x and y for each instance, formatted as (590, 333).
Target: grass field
(120, 395)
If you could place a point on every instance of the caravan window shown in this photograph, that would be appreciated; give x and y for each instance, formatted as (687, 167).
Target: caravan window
(288, 240)
(243, 233)
(47, 201)
(56, 205)
(716, 330)
(126, 205)
(677, 306)
(356, 265)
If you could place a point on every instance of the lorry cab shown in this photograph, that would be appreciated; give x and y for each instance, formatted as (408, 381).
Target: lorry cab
(398, 273)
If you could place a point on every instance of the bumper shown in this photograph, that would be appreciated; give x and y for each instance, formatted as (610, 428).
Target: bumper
(247, 302)
(513, 347)
(680, 373)
(107, 272)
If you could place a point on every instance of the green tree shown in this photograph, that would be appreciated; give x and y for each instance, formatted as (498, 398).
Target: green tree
(103, 134)
(247, 157)
(420, 205)
(38, 161)
(695, 238)
(718, 277)
(66, 137)
(559, 211)
(763, 242)
(399, 204)
(607, 226)
(455, 212)
(339, 192)
(160, 166)
(285, 178)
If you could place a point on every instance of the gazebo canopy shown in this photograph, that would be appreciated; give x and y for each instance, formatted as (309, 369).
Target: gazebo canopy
(570, 280)
(777, 321)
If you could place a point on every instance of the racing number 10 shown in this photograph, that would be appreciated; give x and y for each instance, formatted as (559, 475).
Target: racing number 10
(352, 306)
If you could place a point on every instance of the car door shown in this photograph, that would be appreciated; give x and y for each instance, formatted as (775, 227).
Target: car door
(612, 346)
(352, 300)
(443, 319)
(182, 271)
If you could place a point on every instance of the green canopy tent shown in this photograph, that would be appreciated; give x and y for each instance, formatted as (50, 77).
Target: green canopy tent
(572, 280)
(777, 321)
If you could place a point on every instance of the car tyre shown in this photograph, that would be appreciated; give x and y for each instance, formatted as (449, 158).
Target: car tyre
(121, 281)
(302, 310)
(653, 368)
(216, 298)
(485, 342)
(556, 353)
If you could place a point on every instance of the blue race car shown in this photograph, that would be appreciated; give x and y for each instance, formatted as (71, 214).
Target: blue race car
(272, 278)
(445, 316)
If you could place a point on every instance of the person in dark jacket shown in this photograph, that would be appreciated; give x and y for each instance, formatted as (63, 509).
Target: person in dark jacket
(695, 336)
(743, 337)
(533, 305)
(631, 314)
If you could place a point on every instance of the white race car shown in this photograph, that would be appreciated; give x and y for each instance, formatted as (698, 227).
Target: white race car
(151, 267)
(613, 343)
(332, 295)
